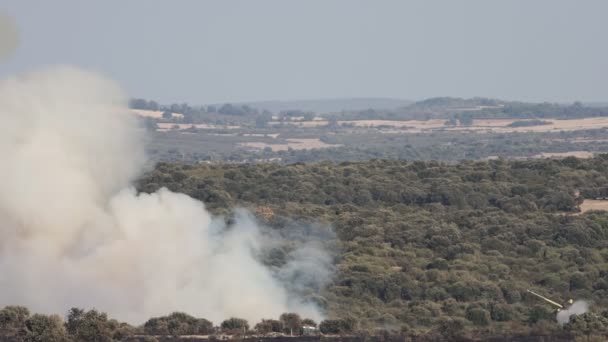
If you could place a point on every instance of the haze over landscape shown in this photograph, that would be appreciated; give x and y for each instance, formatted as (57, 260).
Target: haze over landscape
(205, 52)
(303, 171)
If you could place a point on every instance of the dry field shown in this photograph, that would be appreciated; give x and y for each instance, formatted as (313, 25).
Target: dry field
(295, 144)
(489, 125)
(407, 126)
(590, 204)
(167, 126)
(479, 125)
(154, 114)
(577, 154)
(501, 125)
(587, 140)
(305, 124)
(274, 135)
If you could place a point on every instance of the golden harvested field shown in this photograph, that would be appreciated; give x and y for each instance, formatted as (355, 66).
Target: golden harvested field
(167, 126)
(588, 140)
(577, 154)
(274, 135)
(501, 125)
(556, 125)
(305, 124)
(295, 144)
(479, 125)
(154, 114)
(408, 124)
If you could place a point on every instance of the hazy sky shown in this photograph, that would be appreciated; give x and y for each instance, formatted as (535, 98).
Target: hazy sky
(216, 51)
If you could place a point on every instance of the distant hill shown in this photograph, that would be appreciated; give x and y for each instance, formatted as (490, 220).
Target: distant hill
(330, 105)
(456, 102)
(596, 104)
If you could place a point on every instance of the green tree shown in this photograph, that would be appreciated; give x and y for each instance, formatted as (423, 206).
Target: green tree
(235, 325)
(478, 316)
(42, 328)
(291, 323)
(176, 324)
(588, 324)
(451, 329)
(268, 325)
(12, 320)
(309, 322)
(89, 326)
(337, 326)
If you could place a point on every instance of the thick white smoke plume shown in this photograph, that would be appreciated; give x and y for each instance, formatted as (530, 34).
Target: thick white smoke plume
(579, 307)
(74, 233)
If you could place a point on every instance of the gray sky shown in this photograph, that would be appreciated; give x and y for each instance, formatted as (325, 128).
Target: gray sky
(216, 51)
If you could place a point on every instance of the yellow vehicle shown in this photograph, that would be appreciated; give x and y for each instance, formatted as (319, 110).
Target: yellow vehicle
(557, 305)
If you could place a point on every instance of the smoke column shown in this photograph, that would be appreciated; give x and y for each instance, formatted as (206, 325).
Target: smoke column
(73, 232)
(579, 307)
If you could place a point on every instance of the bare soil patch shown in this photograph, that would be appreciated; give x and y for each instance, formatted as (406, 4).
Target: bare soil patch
(577, 154)
(501, 125)
(273, 135)
(479, 125)
(167, 126)
(588, 140)
(410, 125)
(305, 124)
(154, 113)
(295, 144)
(590, 204)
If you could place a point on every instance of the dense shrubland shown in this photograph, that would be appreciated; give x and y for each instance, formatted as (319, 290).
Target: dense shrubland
(425, 248)
(427, 244)
(364, 144)
(221, 144)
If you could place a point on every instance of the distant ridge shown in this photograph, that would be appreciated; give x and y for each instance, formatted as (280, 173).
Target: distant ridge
(330, 105)
(596, 104)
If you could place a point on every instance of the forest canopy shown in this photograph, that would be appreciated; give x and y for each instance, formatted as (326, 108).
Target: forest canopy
(423, 248)
(425, 243)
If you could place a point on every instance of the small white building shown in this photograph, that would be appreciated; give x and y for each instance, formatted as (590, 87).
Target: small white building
(309, 330)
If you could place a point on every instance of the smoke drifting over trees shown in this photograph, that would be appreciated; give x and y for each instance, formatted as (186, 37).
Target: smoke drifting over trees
(579, 307)
(73, 232)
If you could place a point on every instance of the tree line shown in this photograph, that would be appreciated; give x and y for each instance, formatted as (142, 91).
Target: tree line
(198, 114)
(18, 324)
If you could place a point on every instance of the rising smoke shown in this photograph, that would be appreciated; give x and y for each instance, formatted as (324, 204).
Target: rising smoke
(579, 307)
(73, 232)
